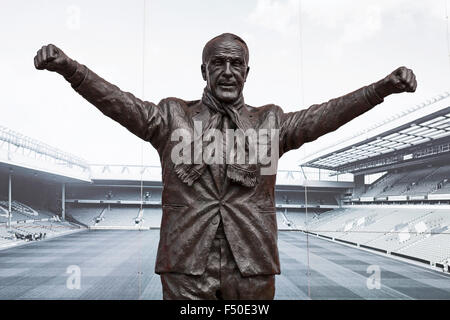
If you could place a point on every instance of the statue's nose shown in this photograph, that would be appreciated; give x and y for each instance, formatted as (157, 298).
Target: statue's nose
(227, 71)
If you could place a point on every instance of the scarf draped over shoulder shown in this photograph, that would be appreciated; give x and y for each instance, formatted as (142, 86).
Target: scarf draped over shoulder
(242, 173)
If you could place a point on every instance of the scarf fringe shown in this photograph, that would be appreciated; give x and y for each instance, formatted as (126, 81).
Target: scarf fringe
(187, 173)
(244, 177)
(244, 174)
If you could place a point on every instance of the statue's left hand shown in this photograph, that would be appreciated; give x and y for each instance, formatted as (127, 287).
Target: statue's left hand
(401, 80)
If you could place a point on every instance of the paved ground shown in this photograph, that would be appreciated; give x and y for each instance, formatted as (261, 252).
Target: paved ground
(119, 265)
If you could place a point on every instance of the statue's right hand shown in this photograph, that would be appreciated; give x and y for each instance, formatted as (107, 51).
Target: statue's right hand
(52, 58)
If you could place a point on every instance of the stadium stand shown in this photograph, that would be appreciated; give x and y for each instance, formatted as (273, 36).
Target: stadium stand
(282, 222)
(404, 184)
(116, 216)
(412, 182)
(22, 212)
(151, 217)
(444, 188)
(298, 197)
(408, 231)
(36, 230)
(429, 184)
(85, 215)
(113, 193)
(434, 247)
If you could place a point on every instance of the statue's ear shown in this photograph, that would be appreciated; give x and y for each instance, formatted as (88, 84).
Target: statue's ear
(246, 74)
(203, 67)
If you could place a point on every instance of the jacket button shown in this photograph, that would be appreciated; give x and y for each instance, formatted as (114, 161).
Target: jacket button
(215, 220)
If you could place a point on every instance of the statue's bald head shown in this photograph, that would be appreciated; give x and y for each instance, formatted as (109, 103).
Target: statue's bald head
(225, 66)
(223, 39)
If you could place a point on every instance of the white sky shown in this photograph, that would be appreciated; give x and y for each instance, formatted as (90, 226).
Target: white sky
(345, 44)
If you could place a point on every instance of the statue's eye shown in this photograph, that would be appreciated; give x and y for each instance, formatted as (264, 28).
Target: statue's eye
(237, 62)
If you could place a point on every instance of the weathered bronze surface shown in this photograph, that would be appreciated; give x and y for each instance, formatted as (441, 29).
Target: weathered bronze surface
(197, 198)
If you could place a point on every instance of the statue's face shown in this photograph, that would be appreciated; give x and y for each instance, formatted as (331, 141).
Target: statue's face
(225, 69)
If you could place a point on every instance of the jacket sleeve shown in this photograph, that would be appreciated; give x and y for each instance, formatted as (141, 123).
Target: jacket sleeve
(144, 119)
(297, 128)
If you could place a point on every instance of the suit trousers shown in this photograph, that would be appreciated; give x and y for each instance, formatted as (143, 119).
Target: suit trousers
(221, 280)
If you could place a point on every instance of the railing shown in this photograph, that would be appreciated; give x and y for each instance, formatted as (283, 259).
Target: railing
(18, 140)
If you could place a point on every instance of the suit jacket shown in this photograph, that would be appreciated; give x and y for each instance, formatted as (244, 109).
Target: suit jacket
(191, 214)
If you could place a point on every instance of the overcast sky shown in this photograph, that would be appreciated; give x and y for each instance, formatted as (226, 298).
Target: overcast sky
(299, 56)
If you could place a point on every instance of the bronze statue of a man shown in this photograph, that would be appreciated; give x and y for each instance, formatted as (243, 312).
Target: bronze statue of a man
(218, 237)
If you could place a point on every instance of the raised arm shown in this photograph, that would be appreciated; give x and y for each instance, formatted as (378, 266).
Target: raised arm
(319, 119)
(144, 119)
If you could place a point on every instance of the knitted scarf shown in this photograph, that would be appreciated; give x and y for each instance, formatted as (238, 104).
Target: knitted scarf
(245, 174)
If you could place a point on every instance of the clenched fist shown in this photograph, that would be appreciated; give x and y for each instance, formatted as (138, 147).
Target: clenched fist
(401, 80)
(52, 58)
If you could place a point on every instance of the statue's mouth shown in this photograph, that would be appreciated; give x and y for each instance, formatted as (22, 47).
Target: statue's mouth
(227, 85)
